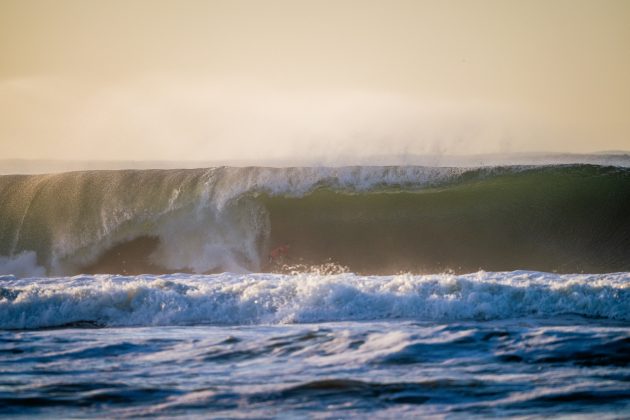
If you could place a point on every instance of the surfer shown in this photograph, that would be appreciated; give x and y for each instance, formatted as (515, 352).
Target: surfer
(278, 253)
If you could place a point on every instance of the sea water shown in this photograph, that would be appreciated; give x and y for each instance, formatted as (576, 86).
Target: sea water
(401, 291)
(485, 344)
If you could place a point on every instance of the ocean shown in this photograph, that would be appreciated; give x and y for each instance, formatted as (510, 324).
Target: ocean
(325, 292)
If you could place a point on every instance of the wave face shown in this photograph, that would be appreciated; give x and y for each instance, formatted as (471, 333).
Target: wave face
(374, 220)
(231, 299)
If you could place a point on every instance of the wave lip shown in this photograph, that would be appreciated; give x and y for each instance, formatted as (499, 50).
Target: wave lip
(231, 299)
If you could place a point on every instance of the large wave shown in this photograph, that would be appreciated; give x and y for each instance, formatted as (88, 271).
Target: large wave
(568, 218)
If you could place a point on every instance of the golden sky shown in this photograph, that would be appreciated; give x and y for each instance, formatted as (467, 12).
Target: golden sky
(257, 79)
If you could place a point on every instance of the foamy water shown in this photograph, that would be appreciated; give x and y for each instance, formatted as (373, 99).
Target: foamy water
(232, 299)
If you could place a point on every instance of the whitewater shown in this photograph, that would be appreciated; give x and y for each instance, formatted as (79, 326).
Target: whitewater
(380, 291)
(229, 299)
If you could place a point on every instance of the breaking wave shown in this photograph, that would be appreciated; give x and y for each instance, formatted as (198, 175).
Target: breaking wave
(373, 220)
(221, 299)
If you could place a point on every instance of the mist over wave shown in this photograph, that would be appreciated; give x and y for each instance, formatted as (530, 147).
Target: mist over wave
(339, 159)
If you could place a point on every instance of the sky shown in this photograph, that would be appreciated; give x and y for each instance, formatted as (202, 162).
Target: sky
(321, 79)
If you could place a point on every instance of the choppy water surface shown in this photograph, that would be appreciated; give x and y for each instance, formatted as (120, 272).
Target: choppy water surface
(268, 345)
(494, 368)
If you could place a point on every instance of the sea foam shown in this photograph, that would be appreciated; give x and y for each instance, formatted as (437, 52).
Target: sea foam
(233, 299)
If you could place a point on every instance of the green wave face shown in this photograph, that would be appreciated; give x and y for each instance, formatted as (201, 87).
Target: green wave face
(568, 219)
(372, 220)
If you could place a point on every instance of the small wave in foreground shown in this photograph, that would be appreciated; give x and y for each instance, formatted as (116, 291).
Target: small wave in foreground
(231, 299)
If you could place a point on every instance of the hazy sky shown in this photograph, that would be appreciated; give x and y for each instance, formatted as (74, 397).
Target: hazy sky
(205, 80)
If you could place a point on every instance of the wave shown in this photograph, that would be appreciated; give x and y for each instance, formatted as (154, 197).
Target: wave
(566, 218)
(221, 299)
